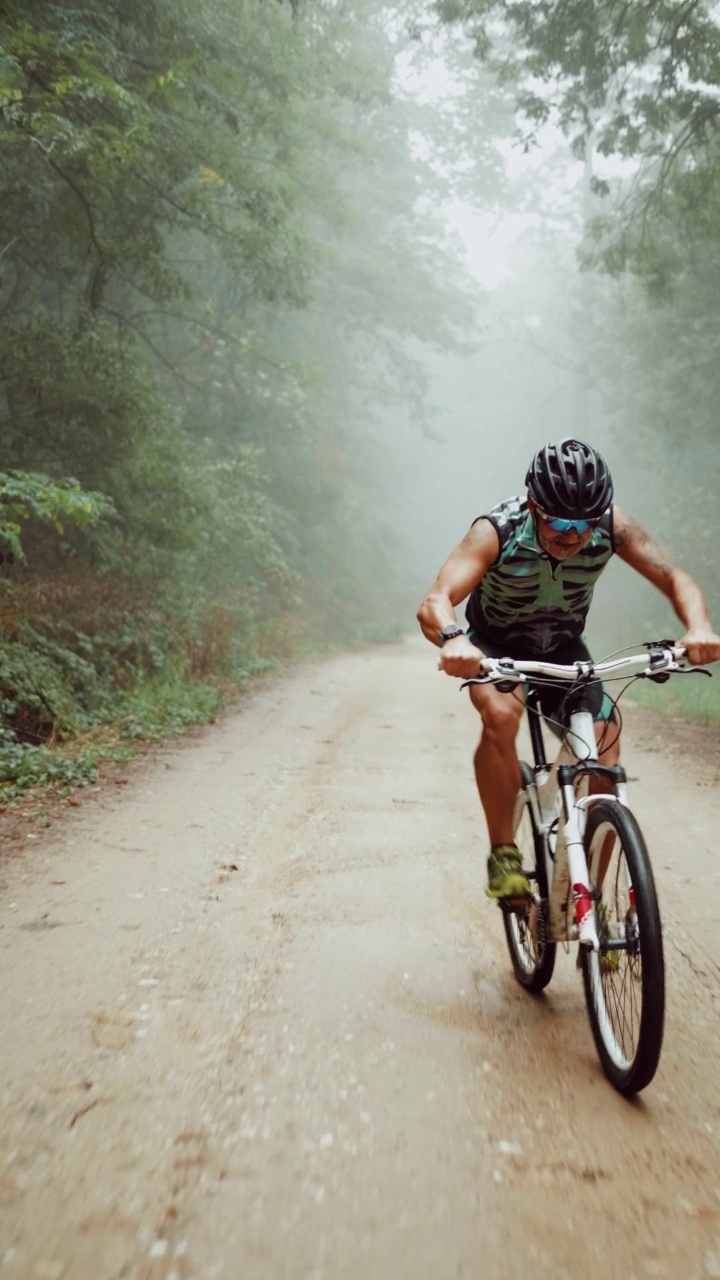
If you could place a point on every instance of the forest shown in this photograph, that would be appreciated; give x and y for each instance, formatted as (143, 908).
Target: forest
(252, 385)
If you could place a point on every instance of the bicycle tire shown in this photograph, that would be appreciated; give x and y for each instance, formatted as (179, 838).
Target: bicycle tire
(626, 907)
(532, 956)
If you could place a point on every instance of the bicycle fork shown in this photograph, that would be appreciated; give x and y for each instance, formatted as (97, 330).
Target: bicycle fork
(579, 876)
(574, 808)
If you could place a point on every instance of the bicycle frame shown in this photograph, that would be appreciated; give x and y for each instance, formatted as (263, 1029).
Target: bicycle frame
(553, 794)
(572, 812)
(555, 790)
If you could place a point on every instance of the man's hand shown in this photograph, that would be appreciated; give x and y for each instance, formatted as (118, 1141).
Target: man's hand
(702, 646)
(459, 657)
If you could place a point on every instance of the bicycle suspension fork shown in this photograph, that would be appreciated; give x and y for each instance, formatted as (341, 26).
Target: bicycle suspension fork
(577, 863)
(573, 810)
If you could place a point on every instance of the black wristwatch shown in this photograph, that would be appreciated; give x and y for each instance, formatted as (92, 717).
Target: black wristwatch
(449, 633)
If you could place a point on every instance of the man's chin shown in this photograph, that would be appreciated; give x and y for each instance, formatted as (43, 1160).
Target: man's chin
(564, 552)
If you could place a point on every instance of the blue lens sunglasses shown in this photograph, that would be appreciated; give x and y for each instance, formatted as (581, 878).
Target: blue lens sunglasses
(559, 525)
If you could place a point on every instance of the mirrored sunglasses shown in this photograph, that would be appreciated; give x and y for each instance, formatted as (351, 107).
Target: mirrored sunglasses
(559, 525)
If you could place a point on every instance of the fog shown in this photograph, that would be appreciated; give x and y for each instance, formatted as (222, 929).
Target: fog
(274, 337)
(551, 355)
(524, 384)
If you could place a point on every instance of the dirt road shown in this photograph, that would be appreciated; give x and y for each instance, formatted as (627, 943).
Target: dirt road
(258, 1021)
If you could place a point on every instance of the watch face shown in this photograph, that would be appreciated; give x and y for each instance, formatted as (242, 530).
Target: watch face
(450, 633)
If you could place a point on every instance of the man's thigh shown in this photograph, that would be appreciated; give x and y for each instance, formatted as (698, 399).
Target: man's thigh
(553, 695)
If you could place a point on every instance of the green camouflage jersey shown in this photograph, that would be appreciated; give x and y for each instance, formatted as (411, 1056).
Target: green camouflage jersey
(528, 600)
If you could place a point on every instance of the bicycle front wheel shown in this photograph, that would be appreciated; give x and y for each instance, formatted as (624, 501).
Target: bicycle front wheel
(526, 929)
(625, 982)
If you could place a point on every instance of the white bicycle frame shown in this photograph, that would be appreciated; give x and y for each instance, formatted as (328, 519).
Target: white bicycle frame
(565, 864)
(558, 810)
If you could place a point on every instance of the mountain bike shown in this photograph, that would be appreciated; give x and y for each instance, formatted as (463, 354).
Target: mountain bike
(585, 855)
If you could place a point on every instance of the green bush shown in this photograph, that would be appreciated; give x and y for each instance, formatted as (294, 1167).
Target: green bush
(23, 766)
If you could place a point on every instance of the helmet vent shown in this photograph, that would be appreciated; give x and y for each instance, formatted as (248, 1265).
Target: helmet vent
(570, 479)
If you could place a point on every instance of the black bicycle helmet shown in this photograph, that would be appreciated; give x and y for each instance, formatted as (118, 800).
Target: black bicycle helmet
(570, 479)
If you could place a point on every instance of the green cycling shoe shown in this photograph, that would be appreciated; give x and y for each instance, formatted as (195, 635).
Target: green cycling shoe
(506, 878)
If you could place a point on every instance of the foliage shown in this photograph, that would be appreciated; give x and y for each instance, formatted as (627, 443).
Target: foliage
(23, 766)
(638, 77)
(24, 496)
(219, 264)
(85, 670)
(177, 179)
(638, 83)
(634, 88)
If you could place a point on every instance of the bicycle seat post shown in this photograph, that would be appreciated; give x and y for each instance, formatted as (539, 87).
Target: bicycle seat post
(532, 702)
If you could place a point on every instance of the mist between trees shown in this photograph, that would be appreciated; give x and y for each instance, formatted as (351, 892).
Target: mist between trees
(254, 384)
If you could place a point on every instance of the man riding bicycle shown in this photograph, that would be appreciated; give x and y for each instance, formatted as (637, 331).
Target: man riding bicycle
(529, 567)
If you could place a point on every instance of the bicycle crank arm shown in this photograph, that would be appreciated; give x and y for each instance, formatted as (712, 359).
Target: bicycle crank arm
(609, 944)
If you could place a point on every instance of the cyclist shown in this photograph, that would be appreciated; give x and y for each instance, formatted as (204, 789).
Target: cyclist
(529, 567)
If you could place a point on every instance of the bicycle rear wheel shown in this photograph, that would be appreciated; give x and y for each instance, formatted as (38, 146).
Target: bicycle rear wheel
(532, 956)
(624, 986)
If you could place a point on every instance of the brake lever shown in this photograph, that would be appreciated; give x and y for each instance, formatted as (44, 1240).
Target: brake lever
(660, 676)
(503, 685)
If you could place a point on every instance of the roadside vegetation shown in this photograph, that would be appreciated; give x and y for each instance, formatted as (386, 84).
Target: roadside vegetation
(211, 261)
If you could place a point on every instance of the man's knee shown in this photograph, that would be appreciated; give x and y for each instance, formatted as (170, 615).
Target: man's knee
(500, 715)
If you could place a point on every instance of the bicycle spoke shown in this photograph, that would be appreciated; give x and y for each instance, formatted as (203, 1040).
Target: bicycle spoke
(624, 987)
(627, 1025)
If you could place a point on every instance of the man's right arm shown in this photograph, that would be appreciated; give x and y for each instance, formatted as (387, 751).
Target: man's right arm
(464, 568)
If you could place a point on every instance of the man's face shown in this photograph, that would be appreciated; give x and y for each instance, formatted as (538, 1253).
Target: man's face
(561, 545)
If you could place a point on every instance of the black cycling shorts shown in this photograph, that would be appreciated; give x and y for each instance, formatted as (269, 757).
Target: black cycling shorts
(551, 698)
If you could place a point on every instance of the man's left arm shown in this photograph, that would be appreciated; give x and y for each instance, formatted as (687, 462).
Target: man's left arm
(635, 546)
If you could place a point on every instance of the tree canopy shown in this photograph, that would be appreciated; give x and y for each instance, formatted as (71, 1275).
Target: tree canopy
(217, 250)
(637, 84)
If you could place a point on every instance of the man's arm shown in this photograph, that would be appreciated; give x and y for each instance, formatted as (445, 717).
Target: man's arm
(464, 568)
(635, 546)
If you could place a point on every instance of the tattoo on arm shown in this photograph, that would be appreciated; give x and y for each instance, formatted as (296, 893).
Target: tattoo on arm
(630, 535)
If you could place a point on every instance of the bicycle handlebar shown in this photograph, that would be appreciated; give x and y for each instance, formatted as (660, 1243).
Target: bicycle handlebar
(659, 657)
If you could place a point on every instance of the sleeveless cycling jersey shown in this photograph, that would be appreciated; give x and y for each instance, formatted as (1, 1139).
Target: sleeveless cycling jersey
(528, 600)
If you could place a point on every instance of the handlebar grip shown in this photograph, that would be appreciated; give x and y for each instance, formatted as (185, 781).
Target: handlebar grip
(486, 666)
